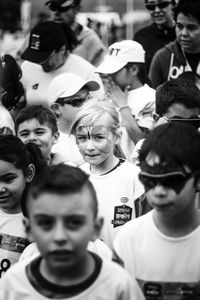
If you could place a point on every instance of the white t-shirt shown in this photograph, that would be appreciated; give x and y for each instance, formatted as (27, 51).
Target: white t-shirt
(113, 283)
(66, 146)
(12, 240)
(6, 119)
(116, 192)
(151, 256)
(36, 81)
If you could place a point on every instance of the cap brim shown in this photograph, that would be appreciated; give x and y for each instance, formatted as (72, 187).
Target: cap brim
(110, 66)
(35, 56)
(91, 85)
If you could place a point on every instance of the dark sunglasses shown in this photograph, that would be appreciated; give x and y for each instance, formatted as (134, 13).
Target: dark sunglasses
(173, 181)
(161, 5)
(54, 6)
(76, 102)
(194, 120)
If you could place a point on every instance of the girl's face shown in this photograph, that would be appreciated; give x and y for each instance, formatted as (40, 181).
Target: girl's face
(96, 143)
(12, 185)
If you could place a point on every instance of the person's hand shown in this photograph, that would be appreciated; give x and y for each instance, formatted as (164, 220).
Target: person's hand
(115, 93)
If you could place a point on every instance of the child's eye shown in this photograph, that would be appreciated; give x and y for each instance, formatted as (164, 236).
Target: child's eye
(98, 138)
(40, 132)
(74, 224)
(9, 179)
(24, 134)
(45, 224)
(81, 138)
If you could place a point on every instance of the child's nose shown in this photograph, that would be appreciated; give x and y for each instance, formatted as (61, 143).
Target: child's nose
(90, 144)
(60, 235)
(32, 137)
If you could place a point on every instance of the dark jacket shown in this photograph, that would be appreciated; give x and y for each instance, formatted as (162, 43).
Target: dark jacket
(168, 63)
(152, 39)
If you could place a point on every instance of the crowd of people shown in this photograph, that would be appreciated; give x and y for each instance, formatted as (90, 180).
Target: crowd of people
(99, 160)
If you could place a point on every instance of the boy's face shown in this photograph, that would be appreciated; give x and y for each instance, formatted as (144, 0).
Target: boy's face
(41, 135)
(172, 194)
(62, 226)
(12, 184)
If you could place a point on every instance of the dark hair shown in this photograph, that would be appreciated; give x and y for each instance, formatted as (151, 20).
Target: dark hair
(11, 74)
(190, 75)
(190, 8)
(20, 155)
(142, 72)
(41, 113)
(175, 143)
(59, 179)
(178, 90)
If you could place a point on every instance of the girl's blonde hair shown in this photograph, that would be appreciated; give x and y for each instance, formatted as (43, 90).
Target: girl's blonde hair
(93, 109)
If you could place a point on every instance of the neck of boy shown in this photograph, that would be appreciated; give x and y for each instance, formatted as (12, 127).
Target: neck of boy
(177, 225)
(68, 276)
(104, 167)
(135, 84)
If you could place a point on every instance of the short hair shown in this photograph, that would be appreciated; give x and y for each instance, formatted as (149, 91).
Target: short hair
(41, 113)
(189, 8)
(173, 2)
(92, 109)
(190, 75)
(175, 143)
(178, 90)
(142, 72)
(20, 155)
(59, 179)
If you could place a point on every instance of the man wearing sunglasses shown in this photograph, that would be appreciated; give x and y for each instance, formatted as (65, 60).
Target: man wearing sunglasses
(90, 46)
(161, 248)
(66, 93)
(183, 54)
(161, 31)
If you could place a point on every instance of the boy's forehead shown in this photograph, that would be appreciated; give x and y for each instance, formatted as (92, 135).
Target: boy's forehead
(60, 204)
(33, 123)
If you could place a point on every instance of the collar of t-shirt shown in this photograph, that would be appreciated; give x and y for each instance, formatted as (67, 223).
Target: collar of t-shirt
(54, 291)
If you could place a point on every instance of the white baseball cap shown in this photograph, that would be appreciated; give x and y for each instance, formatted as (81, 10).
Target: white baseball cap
(68, 84)
(120, 54)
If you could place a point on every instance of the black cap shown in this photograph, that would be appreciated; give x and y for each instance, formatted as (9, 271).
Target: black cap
(44, 39)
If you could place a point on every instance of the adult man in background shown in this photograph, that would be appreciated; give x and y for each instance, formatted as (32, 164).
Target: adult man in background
(161, 31)
(47, 56)
(90, 46)
(183, 54)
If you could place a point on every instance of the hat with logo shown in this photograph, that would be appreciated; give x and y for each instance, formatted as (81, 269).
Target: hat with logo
(68, 84)
(120, 54)
(44, 39)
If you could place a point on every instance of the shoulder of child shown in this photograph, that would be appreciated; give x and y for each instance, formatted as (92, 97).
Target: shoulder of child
(127, 288)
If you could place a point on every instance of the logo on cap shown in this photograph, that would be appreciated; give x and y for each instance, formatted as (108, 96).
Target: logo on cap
(114, 51)
(35, 42)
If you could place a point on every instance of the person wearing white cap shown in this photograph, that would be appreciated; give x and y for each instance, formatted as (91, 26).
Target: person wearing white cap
(128, 87)
(66, 93)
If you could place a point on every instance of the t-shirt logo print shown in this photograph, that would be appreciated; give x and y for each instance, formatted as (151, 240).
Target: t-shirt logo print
(122, 213)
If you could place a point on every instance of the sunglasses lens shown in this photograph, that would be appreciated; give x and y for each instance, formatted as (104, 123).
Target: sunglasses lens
(152, 6)
(175, 182)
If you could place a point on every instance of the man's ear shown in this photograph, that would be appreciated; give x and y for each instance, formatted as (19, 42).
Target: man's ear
(27, 227)
(56, 109)
(134, 69)
(30, 173)
(97, 228)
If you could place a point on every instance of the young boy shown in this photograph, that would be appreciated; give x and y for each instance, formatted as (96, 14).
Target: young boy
(161, 248)
(62, 218)
(37, 124)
